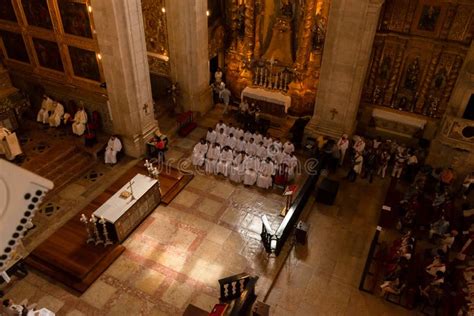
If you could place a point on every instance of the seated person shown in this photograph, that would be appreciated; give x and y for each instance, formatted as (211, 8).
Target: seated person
(114, 145)
(57, 115)
(45, 110)
(288, 147)
(79, 122)
(265, 174)
(212, 157)
(392, 287)
(439, 228)
(211, 135)
(225, 161)
(12, 309)
(237, 168)
(435, 266)
(9, 144)
(250, 177)
(199, 152)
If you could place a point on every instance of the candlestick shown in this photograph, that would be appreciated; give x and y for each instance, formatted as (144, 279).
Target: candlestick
(98, 239)
(84, 220)
(105, 231)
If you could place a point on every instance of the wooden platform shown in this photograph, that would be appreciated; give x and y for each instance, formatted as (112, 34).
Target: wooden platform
(65, 255)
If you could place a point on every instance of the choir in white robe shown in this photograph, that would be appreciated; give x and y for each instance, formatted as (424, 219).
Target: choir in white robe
(221, 139)
(250, 177)
(231, 130)
(231, 142)
(80, 121)
(257, 137)
(212, 157)
(247, 136)
(43, 114)
(113, 147)
(211, 136)
(288, 147)
(240, 145)
(267, 141)
(238, 133)
(237, 169)
(199, 153)
(57, 115)
(219, 126)
(251, 148)
(265, 173)
(261, 152)
(279, 156)
(224, 163)
(292, 163)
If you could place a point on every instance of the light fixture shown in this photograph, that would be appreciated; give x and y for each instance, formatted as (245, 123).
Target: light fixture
(208, 13)
(99, 56)
(163, 10)
(89, 7)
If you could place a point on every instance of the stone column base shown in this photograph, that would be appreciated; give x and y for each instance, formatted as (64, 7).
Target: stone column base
(315, 128)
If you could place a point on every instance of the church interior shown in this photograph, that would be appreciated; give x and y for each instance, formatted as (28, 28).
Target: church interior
(236, 157)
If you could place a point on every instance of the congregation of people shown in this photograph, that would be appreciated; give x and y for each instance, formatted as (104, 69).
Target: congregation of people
(245, 157)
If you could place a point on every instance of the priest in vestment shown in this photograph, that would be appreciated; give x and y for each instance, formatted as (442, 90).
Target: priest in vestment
(265, 173)
(79, 122)
(46, 106)
(113, 147)
(199, 152)
(212, 157)
(57, 115)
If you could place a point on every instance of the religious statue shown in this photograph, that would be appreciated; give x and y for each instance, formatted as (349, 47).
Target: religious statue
(240, 21)
(429, 17)
(287, 8)
(413, 72)
(319, 32)
(440, 79)
(384, 70)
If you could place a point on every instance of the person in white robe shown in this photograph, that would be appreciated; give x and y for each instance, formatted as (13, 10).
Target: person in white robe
(342, 145)
(240, 145)
(231, 129)
(279, 156)
(9, 144)
(250, 177)
(288, 147)
(267, 141)
(79, 122)
(199, 152)
(221, 137)
(114, 145)
(247, 136)
(225, 160)
(237, 169)
(46, 107)
(218, 76)
(211, 135)
(57, 115)
(292, 162)
(239, 133)
(224, 95)
(278, 145)
(212, 157)
(265, 173)
(261, 151)
(257, 137)
(221, 125)
(231, 141)
(251, 147)
(244, 106)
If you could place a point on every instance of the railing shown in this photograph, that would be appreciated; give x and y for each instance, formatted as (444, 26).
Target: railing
(240, 289)
(273, 242)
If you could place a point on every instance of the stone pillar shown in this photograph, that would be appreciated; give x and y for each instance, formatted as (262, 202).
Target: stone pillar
(121, 38)
(189, 52)
(349, 38)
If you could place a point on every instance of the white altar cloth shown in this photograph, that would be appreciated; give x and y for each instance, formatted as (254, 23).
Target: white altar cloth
(267, 96)
(395, 117)
(116, 206)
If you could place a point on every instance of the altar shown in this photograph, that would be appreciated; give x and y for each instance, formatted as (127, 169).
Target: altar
(270, 102)
(127, 208)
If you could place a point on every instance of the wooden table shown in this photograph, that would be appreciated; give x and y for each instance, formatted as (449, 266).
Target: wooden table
(124, 214)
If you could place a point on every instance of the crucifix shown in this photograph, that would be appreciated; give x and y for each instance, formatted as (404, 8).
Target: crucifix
(130, 185)
(334, 112)
(145, 108)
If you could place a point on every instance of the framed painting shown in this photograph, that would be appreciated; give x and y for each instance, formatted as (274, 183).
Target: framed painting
(37, 13)
(75, 18)
(6, 11)
(15, 46)
(48, 54)
(84, 63)
(429, 17)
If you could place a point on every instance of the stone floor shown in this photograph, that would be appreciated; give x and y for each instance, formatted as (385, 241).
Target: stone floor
(211, 230)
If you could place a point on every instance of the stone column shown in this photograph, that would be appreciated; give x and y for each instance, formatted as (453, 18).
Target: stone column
(189, 52)
(121, 38)
(349, 38)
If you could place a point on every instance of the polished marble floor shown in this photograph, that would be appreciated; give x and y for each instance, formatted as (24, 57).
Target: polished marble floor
(211, 230)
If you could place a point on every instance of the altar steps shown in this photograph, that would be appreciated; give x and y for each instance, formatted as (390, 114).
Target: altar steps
(177, 182)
